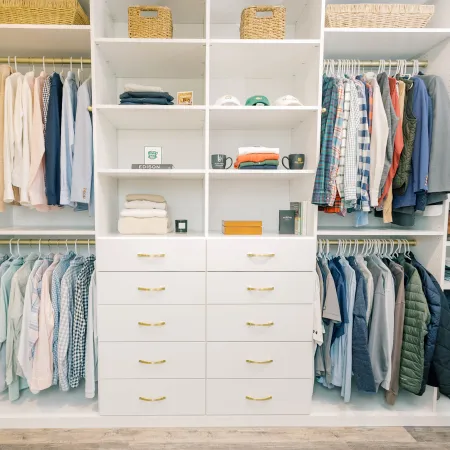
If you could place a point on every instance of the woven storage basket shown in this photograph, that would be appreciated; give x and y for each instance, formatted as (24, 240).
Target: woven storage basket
(378, 16)
(272, 27)
(158, 27)
(48, 12)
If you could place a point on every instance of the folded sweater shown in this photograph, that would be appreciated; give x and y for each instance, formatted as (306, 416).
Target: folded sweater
(255, 157)
(145, 204)
(250, 150)
(154, 225)
(130, 95)
(143, 213)
(148, 197)
(131, 87)
(145, 101)
(267, 162)
(259, 168)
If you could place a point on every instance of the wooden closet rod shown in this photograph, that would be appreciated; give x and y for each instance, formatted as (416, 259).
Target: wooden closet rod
(411, 242)
(34, 60)
(47, 241)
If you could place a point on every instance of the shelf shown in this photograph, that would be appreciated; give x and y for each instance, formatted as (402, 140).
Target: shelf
(47, 231)
(446, 286)
(234, 58)
(45, 40)
(242, 175)
(130, 174)
(385, 231)
(143, 117)
(259, 117)
(395, 43)
(265, 235)
(173, 235)
(154, 58)
(448, 243)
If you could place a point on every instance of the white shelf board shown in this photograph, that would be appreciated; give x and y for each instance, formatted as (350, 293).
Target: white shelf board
(446, 286)
(385, 231)
(47, 231)
(266, 235)
(235, 58)
(131, 174)
(448, 243)
(259, 117)
(154, 117)
(395, 43)
(154, 58)
(250, 175)
(173, 235)
(45, 40)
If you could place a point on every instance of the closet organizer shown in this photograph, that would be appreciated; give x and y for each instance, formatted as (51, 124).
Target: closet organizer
(202, 329)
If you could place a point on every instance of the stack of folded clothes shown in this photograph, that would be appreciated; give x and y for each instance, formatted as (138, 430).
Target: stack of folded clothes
(144, 214)
(136, 94)
(257, 158)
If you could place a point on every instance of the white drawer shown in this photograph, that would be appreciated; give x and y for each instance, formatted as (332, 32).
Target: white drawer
(171, 397)
(151, 288)
(259, 360)
(285, 323)
(151, 360)
(261, 255)
(229, 397)
(151, 323)
(153, 254)
(260, 287)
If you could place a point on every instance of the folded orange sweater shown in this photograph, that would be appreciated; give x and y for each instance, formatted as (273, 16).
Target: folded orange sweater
(255, 157)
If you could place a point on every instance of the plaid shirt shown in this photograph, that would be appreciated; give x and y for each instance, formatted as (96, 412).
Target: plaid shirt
(68, 284)
(45, 98)
(341, 168)
(80, 322)
(362, 182)
(327, 158)
(57, 276)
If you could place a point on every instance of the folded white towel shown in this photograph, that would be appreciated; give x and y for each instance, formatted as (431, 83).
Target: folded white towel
(145, 204)
(250, 150)
(143, 213)
(154, 225)
(131, 87)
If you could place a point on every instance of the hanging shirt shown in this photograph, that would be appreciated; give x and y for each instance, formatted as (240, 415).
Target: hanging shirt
(341, 168)
(362, 265)
(91, 340)
(69, 107)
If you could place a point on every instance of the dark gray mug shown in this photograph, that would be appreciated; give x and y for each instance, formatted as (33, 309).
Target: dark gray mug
(296, 161)
(220, 161)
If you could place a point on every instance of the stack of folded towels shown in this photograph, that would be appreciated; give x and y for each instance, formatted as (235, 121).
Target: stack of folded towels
(144, 214)
(136, 94)
(257, 158)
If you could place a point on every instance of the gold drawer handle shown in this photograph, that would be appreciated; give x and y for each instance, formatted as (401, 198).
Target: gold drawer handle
(250, 361)
(162, 361)
(157, 324)
(149, 255)
(261, 399)
(260, 255)
(159, 399)
(253, 324)
(162, 288)
(260, 289)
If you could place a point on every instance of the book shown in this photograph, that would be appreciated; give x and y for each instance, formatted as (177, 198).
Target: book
(241, 223)
(242, 231)
(152, 166)
(286, 224)
(297, 207)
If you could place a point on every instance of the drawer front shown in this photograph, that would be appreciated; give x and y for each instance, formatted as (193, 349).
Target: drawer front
(151, 288)
(151, 323)
(267, 323)
(261, 255)
(151, 360)
(229, 397)
(153, 254)
(256, 288)
(259, 360)
(170, 397)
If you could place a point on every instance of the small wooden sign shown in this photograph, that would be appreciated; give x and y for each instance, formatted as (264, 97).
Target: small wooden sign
(185, 98)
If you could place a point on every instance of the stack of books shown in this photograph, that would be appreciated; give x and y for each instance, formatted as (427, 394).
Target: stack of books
(242, 227)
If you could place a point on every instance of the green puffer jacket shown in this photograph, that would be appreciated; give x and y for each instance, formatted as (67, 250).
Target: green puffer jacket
(417, 318)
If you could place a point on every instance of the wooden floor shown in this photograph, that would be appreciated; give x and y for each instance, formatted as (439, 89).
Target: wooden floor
(229, 439)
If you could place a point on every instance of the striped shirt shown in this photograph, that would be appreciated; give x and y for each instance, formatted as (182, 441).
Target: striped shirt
(341, 168)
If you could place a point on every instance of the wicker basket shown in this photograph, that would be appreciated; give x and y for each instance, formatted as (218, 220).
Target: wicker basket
(158, 27)
(378, 16)
(48, 12)
(254, 27)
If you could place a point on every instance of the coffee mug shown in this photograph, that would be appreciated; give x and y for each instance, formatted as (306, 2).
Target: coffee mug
(296, 161)
(220, 161)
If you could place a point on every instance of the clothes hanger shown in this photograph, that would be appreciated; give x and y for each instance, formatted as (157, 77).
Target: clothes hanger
(67, 247)
(40, 253)
(76, 248)
(18, 247)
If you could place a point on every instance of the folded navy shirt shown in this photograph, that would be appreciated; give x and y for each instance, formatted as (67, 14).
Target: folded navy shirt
(133, 95)
(145, 101)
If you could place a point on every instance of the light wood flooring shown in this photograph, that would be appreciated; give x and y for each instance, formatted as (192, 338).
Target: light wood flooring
(228, 439)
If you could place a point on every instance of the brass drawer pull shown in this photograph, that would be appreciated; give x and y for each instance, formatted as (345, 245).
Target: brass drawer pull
(159, 399)
(159, 289)
(260, 255)
(261, 399)
(250, 361)
(157, 324)
(260, 289)
(162, 361)
(149, 255)
(253, 324)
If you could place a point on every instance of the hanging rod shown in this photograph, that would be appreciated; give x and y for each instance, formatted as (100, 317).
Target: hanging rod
(40, 60)
(411, 242)
(47, 241)
(376, 63)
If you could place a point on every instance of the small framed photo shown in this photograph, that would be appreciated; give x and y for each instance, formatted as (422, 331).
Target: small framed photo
(185, 98)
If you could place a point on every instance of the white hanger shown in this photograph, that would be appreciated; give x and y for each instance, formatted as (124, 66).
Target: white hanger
(39, 257)
(67, 247)
(18, 247)
(43, 63)
(10, 247)
(76, 249)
